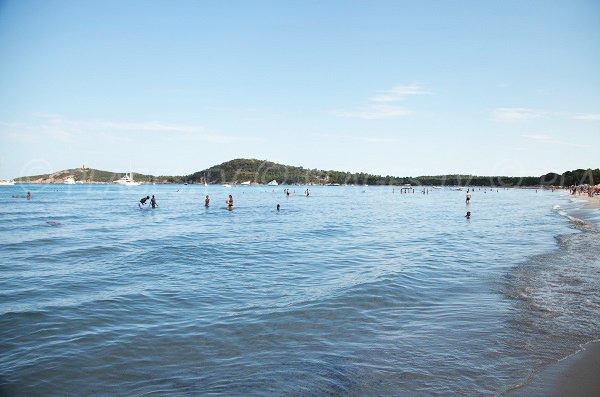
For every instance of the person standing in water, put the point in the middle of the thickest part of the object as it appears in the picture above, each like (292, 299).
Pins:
(230, 203)
(278, 206)
(142, 203)
(468, 196)
(206, 201)
(28, 196)
(153, 202)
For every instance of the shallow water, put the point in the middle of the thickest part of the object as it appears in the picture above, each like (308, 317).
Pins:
(352, 291)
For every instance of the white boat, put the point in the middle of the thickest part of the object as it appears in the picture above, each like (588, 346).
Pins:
(226, 185)
(273, 183)
(205, 184)
(70, 180)
(7, 183)
(436, 187)
(127, 180)
(247, 183)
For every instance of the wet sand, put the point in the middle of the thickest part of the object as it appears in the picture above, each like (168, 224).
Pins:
(575, 376)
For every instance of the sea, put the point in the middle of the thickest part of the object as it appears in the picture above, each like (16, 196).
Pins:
(350, 291)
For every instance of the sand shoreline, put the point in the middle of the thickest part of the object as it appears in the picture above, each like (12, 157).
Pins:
(573, 376)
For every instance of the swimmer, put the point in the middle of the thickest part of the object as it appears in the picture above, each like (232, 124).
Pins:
(468, 196)
(229, 203)
(278, 206)
(206, 201)
(28, 196)
(468, 216)
(142, 203)
(153, 202)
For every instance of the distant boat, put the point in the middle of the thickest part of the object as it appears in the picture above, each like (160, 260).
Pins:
(273, 183)
(247, 183)
(7, 183)
(457, 188)
(333, 184)
(436, 187)
(226, 185)
(127, 180)
(70, 180)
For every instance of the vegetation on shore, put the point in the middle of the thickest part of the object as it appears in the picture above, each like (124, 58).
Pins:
(262, 172)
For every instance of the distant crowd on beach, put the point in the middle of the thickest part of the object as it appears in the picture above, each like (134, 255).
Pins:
(589, 190)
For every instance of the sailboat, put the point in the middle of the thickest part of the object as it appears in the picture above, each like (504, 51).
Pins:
(273, 183)
(205, 184)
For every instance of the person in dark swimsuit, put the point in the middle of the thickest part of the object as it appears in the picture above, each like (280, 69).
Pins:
(143, 201)
(153, 202)
(230, 203)
(206, 201)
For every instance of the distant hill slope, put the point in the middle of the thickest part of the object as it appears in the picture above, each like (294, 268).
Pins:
(91, 175)
(262, 171)
(258, 171)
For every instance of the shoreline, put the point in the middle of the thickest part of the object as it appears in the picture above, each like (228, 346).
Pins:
(573, 376)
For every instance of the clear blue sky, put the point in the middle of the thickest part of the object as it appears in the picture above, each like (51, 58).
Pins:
(392, 87)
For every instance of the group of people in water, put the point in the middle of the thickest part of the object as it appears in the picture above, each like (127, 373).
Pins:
(153, 202)
(229, 201)
(28, 196)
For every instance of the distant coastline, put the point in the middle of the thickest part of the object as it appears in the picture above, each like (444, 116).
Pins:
(261, 172)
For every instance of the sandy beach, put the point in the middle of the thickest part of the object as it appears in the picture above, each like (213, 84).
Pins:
(594, 201)
(574, 376)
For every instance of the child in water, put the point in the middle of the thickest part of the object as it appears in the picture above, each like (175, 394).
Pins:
(468, 216)
(142, 202)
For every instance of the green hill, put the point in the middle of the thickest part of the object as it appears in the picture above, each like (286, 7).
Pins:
(262, 172)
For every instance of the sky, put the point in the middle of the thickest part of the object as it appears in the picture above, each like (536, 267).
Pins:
(402, 88)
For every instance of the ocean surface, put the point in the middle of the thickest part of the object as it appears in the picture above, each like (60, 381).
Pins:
(358, 291)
